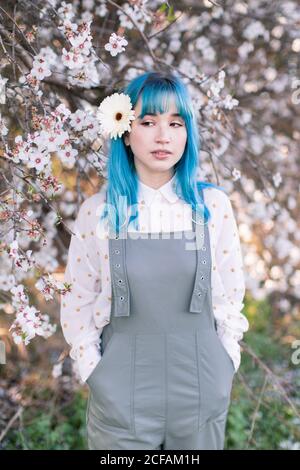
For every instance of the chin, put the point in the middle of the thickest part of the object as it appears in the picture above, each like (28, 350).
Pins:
(161, 164)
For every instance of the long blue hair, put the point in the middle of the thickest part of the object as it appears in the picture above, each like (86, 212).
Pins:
(155, 89)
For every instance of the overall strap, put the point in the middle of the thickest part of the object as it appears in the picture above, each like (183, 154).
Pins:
(203, 271)
(119, 280)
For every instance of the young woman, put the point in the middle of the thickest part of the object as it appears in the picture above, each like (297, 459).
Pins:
(157, 281)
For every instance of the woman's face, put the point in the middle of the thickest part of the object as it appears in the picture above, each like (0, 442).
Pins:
(156, 132)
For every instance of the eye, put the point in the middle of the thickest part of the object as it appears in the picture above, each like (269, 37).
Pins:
(145, 123)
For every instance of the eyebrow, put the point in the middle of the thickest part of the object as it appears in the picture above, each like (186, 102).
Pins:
(155, 114)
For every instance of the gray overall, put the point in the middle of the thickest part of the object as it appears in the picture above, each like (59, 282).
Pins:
(164, 380)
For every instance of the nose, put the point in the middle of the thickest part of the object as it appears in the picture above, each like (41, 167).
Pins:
(162, 134)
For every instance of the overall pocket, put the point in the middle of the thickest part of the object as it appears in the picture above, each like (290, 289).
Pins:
(216, 372)
(223, 347)
(226, 353)
(110, 385)
(101, 362)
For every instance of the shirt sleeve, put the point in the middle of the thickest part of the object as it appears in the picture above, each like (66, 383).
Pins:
(76, 313)
(228, 301)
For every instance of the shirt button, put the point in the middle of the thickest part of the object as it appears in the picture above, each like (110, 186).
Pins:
(117, 252)
(117, 265)
(122, 298)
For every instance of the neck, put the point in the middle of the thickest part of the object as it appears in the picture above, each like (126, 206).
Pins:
(155, 180)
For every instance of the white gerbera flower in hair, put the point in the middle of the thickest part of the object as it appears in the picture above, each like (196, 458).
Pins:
(114, 114)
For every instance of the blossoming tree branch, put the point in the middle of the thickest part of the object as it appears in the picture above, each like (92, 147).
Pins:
(60, 61)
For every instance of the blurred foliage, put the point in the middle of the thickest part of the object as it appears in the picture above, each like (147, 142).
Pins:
(265, 420)
(63, 431)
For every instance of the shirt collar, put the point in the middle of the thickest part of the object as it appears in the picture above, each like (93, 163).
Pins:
(147, 194)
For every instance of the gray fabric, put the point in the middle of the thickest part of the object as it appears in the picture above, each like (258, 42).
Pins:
(164, 379)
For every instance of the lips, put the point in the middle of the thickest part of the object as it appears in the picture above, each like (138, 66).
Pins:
(160, 154)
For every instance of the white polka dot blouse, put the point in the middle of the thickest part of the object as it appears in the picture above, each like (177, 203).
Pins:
(86, 309)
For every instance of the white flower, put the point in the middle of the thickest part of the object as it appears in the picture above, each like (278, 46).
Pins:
(115, 44)
(277, 179)
(7, 282)
(77, 120)
(202, 43)
(101, 10)
(217, 85)
(48, 54)
(57, 370)
(71, 60)
(2, 90)
(17, 338)
(19, 294)
(67, 156)
(42, 286)
(138, 12)
(92, 128)
(254, 30)
(37, 160)
(13, 249)
(236, 174)
(40, 68)
(3, 128)
(245, 49)
(229, 102)
(66, 10)
(84, 47)
(49, 140)
(62, 109)
(28, 323)
(115, 113)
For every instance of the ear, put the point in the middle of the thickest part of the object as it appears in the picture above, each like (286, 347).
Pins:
(126, 139)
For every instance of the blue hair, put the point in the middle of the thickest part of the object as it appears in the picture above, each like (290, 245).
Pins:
(155, 89)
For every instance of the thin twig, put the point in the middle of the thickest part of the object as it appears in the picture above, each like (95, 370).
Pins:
(255, 414)
(11, 422)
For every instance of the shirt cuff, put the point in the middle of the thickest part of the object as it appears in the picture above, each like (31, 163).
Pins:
(88, 361)
(233, 349)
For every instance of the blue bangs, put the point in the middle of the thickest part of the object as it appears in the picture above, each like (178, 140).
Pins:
(156, 99)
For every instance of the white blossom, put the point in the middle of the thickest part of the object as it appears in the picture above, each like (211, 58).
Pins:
(57, 370)
(236, 174)
(277, 178)
(116, 44)
(2, 90)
